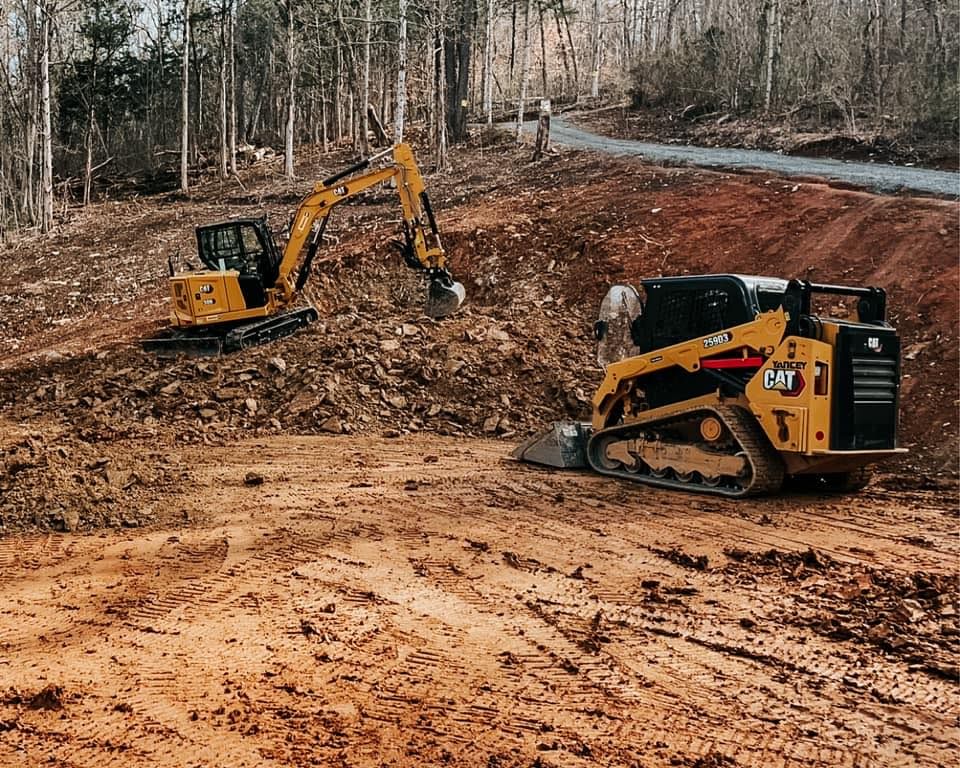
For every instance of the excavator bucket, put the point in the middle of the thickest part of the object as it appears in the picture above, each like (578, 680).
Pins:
(563, 444)
(444, 297)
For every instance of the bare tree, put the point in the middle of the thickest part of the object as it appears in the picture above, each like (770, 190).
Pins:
(185, 100)
(47, 11)
(400, 111)
(287, 6)
(524, 71)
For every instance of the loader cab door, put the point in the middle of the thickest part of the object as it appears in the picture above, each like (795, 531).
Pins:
(680, 309)
(245, 247)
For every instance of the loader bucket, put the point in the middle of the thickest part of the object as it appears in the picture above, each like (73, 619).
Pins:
(563, 444)
(444, 297)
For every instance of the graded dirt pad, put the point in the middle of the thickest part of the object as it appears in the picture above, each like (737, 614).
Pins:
(380, 602)
(313, 553)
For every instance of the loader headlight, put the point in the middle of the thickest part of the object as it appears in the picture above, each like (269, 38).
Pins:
(206, 288)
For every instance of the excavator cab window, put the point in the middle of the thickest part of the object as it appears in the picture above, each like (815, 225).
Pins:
(243, 246)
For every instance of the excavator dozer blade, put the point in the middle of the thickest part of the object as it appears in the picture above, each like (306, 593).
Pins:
(189, 346)
(563, 444)
(444, 298)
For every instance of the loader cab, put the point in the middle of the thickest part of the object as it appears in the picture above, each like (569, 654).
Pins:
(682, 308)
(245, 246)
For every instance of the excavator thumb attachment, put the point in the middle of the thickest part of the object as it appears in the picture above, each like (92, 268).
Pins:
(444, 296)
(563, 444)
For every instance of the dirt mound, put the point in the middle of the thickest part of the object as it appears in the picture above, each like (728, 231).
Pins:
(52, 479)
(912, 615)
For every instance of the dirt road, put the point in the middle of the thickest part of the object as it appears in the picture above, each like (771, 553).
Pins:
(423, 602)
(872, 176)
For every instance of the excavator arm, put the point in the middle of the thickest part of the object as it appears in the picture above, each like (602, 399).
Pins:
(444, 294)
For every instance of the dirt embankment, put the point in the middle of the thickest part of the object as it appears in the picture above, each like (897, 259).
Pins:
(537, 246)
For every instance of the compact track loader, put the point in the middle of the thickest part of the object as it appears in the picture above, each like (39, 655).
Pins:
(727, 384)
(246, 292)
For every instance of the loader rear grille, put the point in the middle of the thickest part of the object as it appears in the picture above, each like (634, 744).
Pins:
(875, 380)
(866, 389)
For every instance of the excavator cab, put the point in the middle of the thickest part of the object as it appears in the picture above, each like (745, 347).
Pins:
(246, 247)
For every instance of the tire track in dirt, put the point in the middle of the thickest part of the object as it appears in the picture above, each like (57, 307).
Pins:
(459, 611)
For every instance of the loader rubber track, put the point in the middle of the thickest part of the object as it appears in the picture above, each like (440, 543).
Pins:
(746, 438)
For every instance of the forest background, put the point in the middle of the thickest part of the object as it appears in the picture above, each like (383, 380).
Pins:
(98, 91)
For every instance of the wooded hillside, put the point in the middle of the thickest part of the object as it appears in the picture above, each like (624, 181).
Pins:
(97, 90)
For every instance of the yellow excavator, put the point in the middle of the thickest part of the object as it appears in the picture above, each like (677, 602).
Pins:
(728, 384)
(245, 294)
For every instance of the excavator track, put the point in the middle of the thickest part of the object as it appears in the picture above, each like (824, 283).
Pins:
(265, 331)
(738, 462)
(204, 343)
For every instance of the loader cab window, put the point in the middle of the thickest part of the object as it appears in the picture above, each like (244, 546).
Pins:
(680, 313)
(769, 300)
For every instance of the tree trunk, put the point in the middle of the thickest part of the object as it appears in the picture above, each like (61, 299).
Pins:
(47, 10)
(400, 111)
(543, 53)
(573, 50)
(185, 100)
(439, 87)
(524, 71)
(365, 95)
(32, 78)
(224, 138)
(772, 52)
(543, 130)
(291, 93)
(564, 59)
(231, 47)
(488, 66)
(457, 71)
(597, 50)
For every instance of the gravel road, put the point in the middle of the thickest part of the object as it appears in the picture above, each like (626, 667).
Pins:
(879, 178)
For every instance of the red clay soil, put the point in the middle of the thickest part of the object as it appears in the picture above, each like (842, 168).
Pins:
(315, 552)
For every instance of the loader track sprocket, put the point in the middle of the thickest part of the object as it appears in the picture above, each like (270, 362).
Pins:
(660, 452)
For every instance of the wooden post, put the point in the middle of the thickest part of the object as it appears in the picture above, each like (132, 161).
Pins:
(543, 130)
(382, 139)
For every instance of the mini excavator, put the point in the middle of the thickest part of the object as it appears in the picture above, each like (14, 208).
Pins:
(728, 384)
(245, 294)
